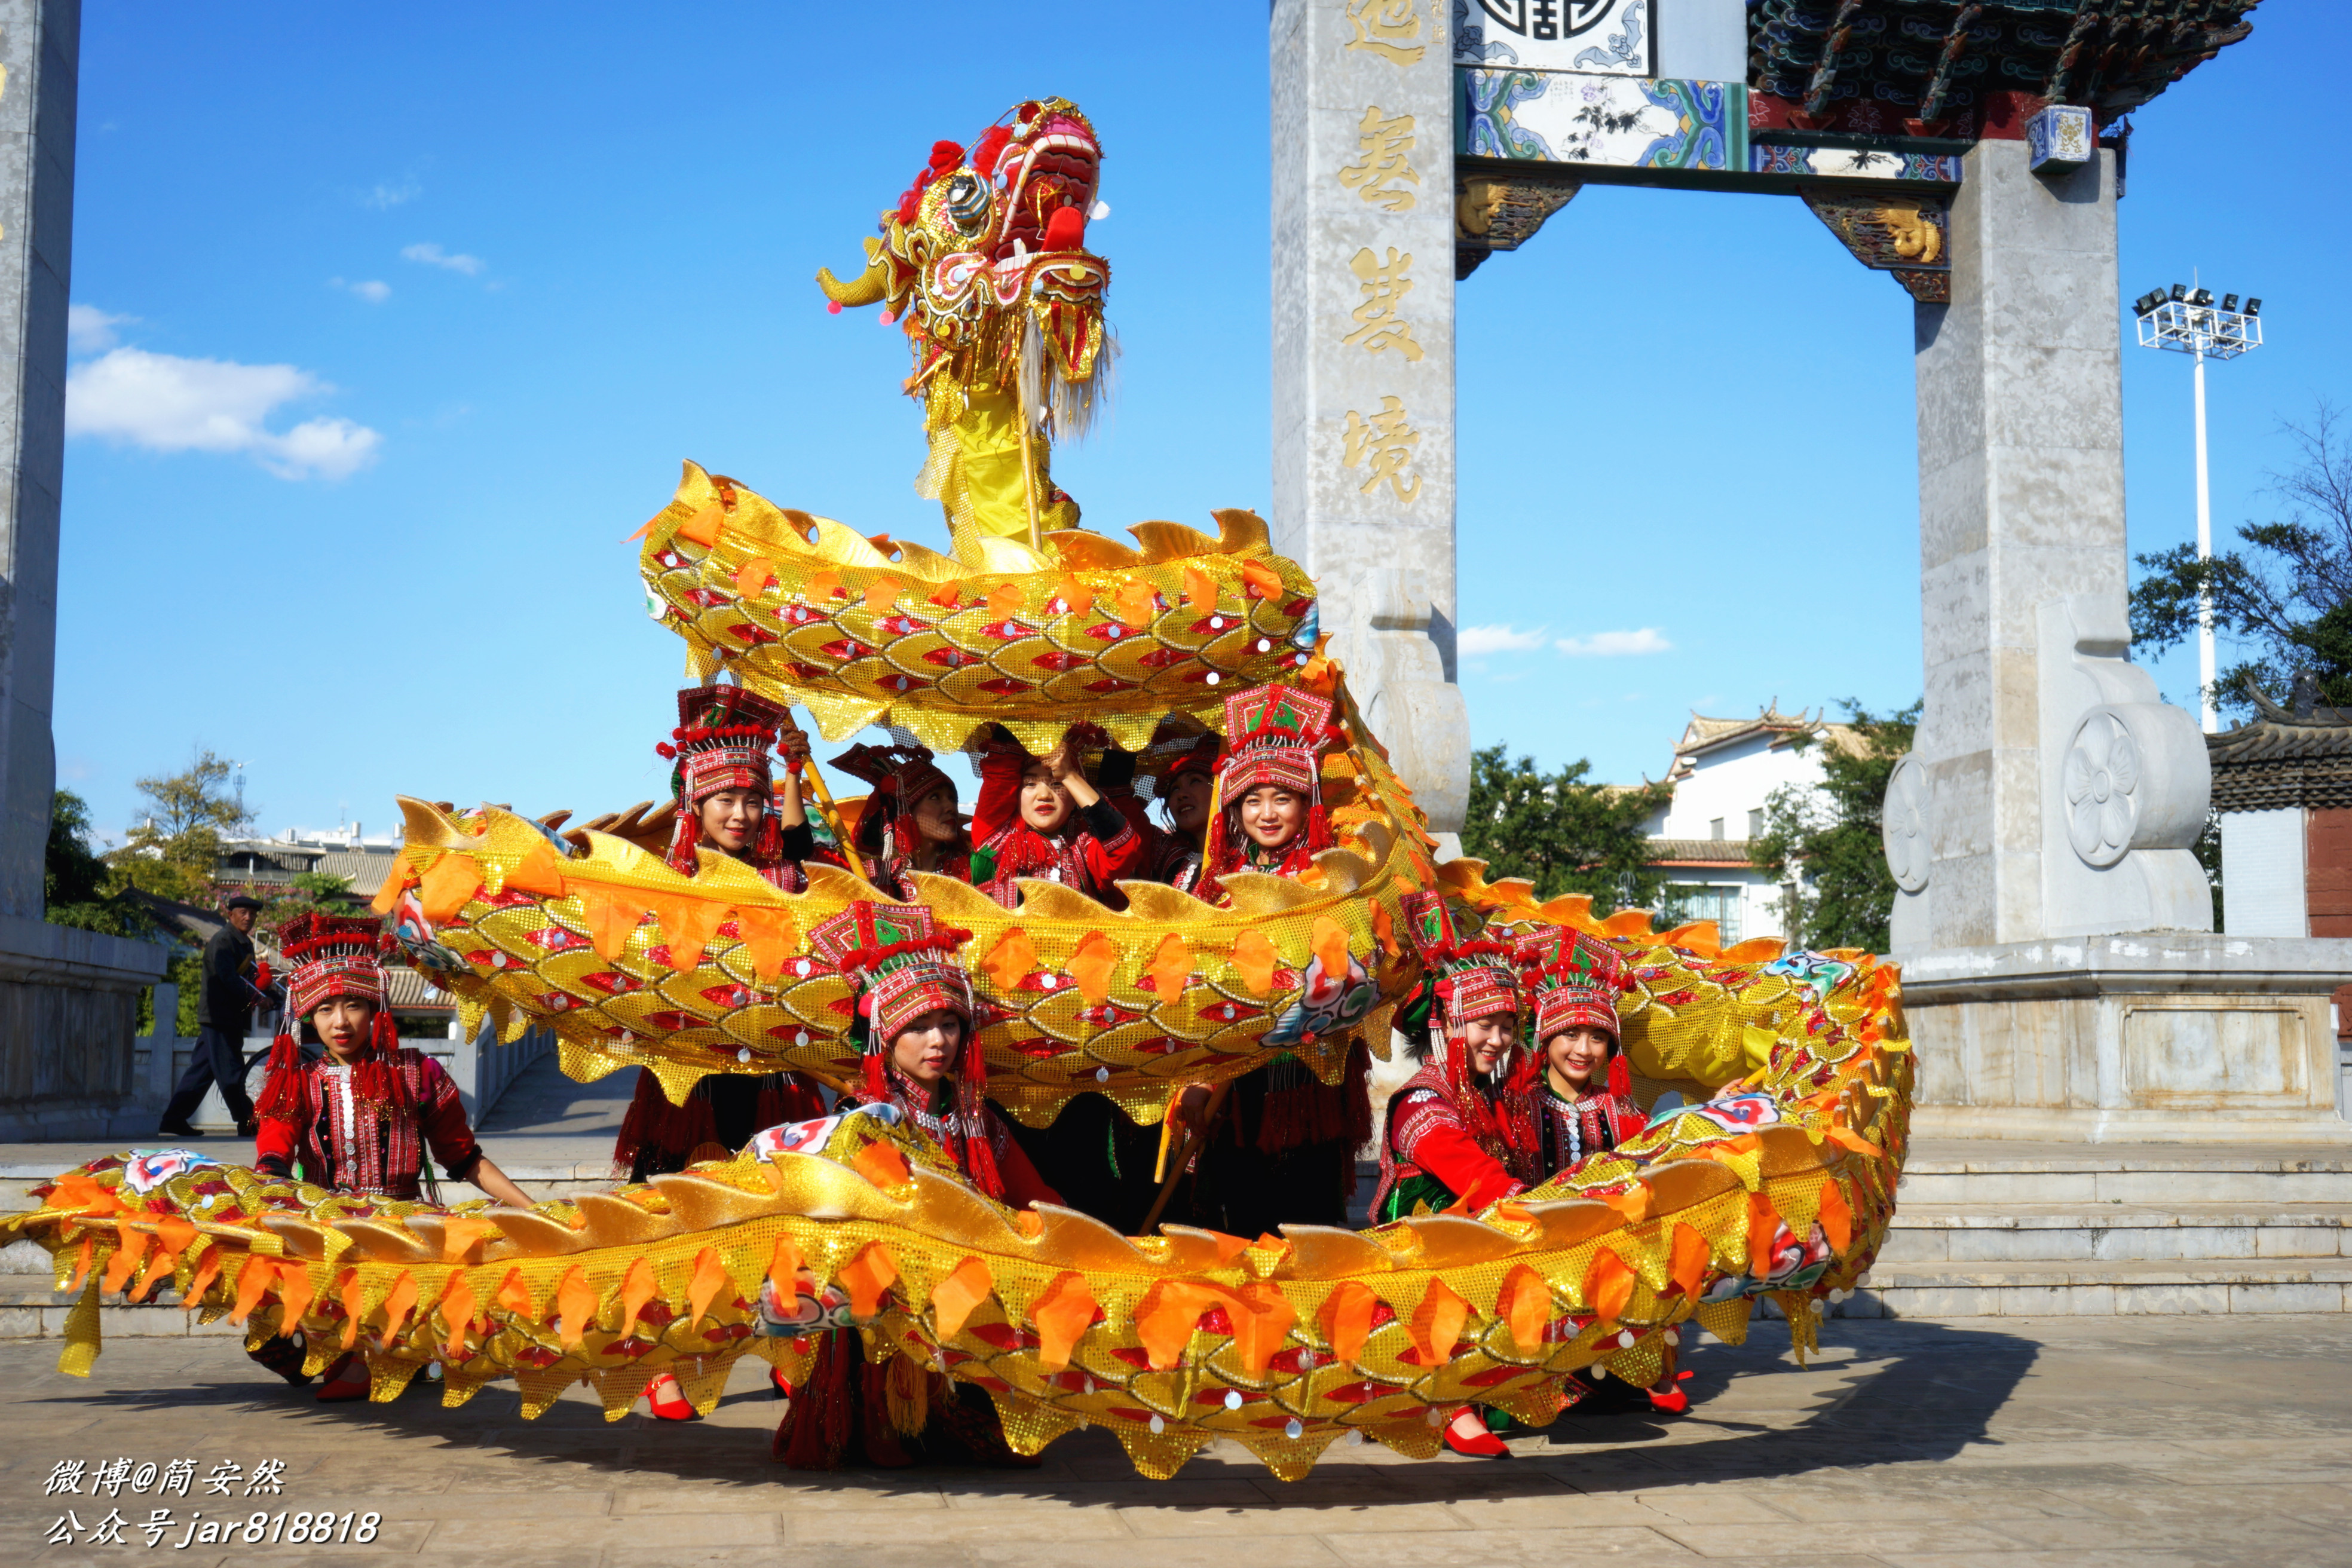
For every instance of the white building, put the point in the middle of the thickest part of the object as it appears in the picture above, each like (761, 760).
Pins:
(1724, 772)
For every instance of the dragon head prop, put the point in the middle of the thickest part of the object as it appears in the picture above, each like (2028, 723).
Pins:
(983, 264)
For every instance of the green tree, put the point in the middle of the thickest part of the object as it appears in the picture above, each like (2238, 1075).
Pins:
(1830, 836)
(173, 851)
(1560, 833)
(2288, 595)
(79, 888)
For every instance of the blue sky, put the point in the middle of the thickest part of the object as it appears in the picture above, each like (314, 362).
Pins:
(413, 310)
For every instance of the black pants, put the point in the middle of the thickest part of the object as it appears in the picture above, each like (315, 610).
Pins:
(218, 1060)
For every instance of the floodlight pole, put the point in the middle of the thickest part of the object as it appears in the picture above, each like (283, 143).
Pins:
(2207, 714)
(2194, 325)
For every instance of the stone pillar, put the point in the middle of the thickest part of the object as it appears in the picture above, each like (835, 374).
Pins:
(2060, 971)
(2020, 500)
(39, 50)
(1363, 361)
(69, 999)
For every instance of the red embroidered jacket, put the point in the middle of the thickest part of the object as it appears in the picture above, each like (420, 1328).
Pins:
(368, 1146)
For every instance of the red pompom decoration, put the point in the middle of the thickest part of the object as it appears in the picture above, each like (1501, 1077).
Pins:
(664, 749)
(991, 148)
(910, 205)
(946, 155)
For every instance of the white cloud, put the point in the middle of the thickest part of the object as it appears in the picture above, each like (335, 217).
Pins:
(374, 291)
(89, 329)
(166, 403)
(1477, 642)
(387, 197)
(433, 256)
(1608, 645)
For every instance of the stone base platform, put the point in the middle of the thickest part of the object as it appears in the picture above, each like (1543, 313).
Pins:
(2148, 1037)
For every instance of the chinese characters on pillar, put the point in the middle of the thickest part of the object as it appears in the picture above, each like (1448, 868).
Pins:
(1383, 444)
(1384, 286)
(1389, 28)
(1380, 173)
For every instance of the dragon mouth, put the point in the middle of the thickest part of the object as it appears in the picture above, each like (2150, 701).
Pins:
(1059, 170)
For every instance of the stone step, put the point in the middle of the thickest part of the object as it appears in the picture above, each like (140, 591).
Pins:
(2001, 1175)
(2127, 1286)
(1930, 1234)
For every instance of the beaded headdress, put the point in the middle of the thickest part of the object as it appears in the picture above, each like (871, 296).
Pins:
(330, 956)
(1272, 736)
(722, 740)
(1576, 978)
(903, 777)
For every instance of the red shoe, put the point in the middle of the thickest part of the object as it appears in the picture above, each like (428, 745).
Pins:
(779, 1385)
(1674, 1401)
(678, 1409)
(1483, 1445)
(346, 1379)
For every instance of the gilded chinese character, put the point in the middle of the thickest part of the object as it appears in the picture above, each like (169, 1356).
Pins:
(1383, 140)
(1384, 286)
(1389, 28)
(1384, 443)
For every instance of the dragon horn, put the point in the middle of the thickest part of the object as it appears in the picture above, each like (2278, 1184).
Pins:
(868, 288)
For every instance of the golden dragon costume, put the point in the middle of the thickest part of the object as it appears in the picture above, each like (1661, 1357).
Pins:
(1777, 1178)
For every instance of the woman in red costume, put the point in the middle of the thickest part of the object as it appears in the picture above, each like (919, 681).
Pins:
(1283, 1147)
(910, 822)
(360, 1117)
(1038, 817)
(1187, 787)
(726, 804)
(1584, 1097)
(923, 1065)
(1462, 1131)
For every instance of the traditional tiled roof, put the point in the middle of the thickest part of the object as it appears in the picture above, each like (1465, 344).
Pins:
(1703, 733)
(412, 993)
(1698, 852)
(2285, 757)
(1942, 60)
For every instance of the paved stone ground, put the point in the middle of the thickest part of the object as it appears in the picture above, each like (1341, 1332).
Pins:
(2071, 1443)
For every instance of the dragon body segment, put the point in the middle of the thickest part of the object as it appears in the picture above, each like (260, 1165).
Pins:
(878, 631)
(1783, 1188)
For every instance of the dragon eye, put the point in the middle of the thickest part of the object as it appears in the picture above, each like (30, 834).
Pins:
(967, 202)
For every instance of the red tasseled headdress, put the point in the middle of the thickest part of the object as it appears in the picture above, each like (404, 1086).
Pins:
(1273, 734)
(722, 740)
(330, 956)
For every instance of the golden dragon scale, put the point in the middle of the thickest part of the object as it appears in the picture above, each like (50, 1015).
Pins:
(877, 631)
(1781, 1186)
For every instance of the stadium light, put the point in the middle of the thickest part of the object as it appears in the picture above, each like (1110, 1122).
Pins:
(2190, 324)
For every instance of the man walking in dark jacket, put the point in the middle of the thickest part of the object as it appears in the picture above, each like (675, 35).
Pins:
(224, 1013)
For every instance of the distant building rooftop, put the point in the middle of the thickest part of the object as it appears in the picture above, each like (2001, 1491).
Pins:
(2286, 756)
